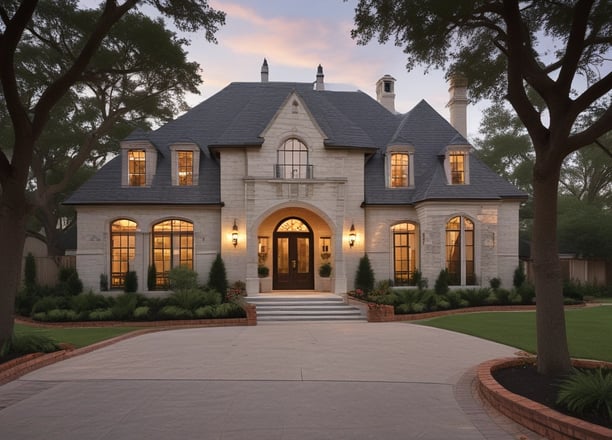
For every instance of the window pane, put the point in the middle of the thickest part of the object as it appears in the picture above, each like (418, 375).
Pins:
(399, 170)
(172, 247)
(292, 160)
(185, 167)
(123, 249)
(282, 261)
(303, 248)
(136, 167)
(404, 252)
(457, 168)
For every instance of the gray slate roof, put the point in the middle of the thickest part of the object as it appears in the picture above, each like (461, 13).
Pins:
(237, 115)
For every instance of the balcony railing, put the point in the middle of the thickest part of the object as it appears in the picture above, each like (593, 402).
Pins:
(288, 171)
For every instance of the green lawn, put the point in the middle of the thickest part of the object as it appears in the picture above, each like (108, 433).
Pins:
(80, 337)
(588, 329)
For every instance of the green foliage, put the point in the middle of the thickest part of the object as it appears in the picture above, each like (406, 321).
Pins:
(142, 313)
(364, 278)
(101, 315)
(30, 343)
(417, 280)
(441, 286)
(131, 282)
(325, 270)
(263, 271)
(46, 304)
(103, 282)
(572, 290)
(189, 299)
(495, 283)
(125, 304)
(175, 312)
(587, 392)
(30, 271)
(69, 281)
(151, 277)
(217, 278)
(88, 301)
(527, 293)
(475, 297)
(182, 278)
(519, 277)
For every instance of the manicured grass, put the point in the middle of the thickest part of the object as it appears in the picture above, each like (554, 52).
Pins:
(79, 337)
(588, 329)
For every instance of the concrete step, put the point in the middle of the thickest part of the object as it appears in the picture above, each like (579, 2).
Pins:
(303, 308)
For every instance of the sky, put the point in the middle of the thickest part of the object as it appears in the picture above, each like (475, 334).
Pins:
(295, 36)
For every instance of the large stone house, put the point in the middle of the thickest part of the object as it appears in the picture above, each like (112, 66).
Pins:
(291, 176)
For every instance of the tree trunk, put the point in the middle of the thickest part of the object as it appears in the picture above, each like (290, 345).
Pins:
(552, 349)
(12, 236)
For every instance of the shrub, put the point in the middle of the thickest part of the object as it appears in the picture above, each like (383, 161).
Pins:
(364, 278)
(30, 272)
(175, 312)
(87, 302)
(502, 296)
(46, 304)
(526, 293)
(25, 300)
(60, 315)
(142, 313)
(573, 290)
(31, 343)
(130, 284)
(229, 310)
(495, 283)
(263, 271)
(125, 304)
(418, 307)
(441, 286)
(151, 277)
(325, 270)
(217, 278)
(206, 312)
(189, 299)
(182, 278)
(475, 297)
(519, 276)
(101, 315)
(103, 282)
(417, 280)
(587, 392)
(70, 283)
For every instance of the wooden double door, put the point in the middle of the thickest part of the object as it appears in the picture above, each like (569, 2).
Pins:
(293, 261)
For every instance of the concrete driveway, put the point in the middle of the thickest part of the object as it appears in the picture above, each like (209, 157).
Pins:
(309, 380)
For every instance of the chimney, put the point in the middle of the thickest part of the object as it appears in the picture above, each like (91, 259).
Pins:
(457, 103)
(264, 71)
(319, 84)
(385, 92)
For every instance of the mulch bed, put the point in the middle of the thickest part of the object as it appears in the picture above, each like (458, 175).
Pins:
(525, 381)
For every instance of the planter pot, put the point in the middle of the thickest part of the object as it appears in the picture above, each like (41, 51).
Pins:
(265, 284)
(325, 284)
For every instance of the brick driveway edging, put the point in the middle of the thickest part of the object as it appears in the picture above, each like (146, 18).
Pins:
(533, 415)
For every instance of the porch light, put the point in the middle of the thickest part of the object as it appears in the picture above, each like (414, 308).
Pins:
(235, 234)
(352, 235)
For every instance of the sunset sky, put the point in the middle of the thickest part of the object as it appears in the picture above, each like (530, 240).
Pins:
(295, 36)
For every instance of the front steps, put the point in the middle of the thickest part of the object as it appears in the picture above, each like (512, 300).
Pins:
(303, 307)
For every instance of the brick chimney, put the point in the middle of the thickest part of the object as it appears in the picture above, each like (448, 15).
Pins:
(319, 84)
(457, 103)
(385, 92)
(264, 71)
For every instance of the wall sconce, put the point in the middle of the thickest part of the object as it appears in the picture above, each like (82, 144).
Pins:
(235, 234)
(352, 235)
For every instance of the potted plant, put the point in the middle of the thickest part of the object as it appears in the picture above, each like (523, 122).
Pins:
(325, 270)
(265, 282)
(263, 271)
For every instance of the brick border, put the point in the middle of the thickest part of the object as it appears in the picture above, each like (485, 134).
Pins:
(533, 415)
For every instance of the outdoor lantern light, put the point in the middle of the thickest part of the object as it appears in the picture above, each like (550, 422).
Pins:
(352, 235)
(235, 234)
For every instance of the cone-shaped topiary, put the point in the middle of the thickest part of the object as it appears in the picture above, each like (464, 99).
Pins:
(217, 278)
(364, 279)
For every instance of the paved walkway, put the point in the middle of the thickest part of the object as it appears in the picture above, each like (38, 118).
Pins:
(272, 381)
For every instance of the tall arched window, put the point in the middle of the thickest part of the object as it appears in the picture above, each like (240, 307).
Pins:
(292, 160)
(172, 246)
(460, 251)
(404, 253)
(123, 249)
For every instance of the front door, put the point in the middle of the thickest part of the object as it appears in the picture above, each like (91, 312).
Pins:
(293, 262)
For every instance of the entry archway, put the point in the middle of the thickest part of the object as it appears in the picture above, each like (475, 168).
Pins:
(293, 267)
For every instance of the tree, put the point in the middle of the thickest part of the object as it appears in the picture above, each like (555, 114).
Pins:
(558, 49)
(23, 24)
(146, 76)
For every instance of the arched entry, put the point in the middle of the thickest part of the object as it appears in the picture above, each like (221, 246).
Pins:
(293, 251)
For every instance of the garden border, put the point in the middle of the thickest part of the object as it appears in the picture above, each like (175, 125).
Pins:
(533, 415)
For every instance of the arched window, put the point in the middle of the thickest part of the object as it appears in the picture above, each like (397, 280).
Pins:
(404, 253)
(460, 251)
(172, 246)
(123, 250)
(292, 160)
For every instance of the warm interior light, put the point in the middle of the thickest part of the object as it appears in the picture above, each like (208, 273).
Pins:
(235, 234)
(352, 235)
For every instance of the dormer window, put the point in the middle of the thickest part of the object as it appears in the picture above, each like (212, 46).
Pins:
(456, 165)
(137, 168)
(185, 168)
(400, 166)
(185, 164)
(138, 162)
